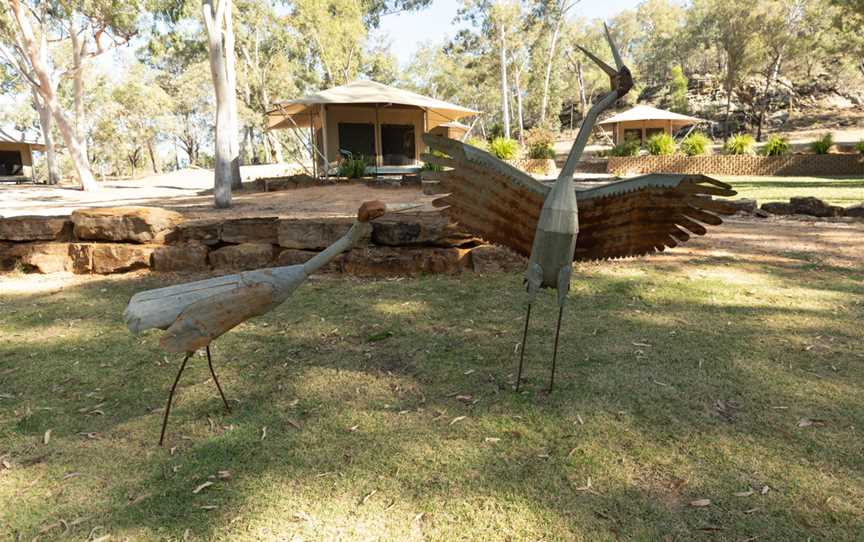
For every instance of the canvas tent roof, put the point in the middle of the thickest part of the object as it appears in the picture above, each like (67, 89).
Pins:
(11, 135)
(646, 112)
(364, 92)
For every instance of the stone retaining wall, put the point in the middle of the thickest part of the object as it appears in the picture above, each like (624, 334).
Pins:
(118, 240)
(723, 164)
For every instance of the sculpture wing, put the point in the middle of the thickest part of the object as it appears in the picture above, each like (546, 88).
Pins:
(646, 214)
(630, 217)
(487, 196)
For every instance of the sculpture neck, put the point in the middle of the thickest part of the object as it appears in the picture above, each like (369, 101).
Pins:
(357, 232)
(584, 132)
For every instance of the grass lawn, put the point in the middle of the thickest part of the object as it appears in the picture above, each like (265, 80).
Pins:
(843, 191)
(383, 410)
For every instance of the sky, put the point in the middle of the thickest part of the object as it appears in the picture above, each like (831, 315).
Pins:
(406, 31)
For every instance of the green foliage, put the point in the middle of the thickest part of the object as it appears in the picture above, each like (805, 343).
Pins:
(480, 143)
(776, 146)
(739, 144)
(860, 146)
(428, 166)
(696, 144)
(661, 144)
(353, 168)
(540, 143)
(678, 90)
(823, 144)
(503, 148)
(628, 148)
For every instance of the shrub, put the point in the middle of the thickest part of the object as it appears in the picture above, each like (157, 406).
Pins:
(481, 144)
(505, 149)
(353, 168)
(428, 166)
(739, 144)
(823, 144)
(860, 146)
(696, 144)
(678, 90)
(540, 143)
(628, 148)
(776, 146)
(661, 144)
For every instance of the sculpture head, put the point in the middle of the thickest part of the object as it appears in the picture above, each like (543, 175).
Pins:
(370, 210)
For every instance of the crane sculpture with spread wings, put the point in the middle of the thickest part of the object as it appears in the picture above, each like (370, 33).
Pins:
(553, 226)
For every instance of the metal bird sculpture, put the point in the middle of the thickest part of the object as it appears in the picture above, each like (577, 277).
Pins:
(194, 314)
(630, 217)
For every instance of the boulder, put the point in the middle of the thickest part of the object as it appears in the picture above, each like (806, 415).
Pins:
(811, 206)
(777, 208)
(8, 258)
(387, 261)
(420, 230)
(292, 256)
(35, 228)
(190, 256)
(81, 256)
(251, 230)
(135, 224)
(312, 234)
(495, 259)
(742, 205)
(242, 257)
(856, 211)
(208, 232)
(119, 258)
(42, 257)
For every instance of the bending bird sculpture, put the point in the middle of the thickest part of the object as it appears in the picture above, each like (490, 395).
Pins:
(630, 217)
(195, 314)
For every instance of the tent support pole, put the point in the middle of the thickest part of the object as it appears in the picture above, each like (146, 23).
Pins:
(324, 137)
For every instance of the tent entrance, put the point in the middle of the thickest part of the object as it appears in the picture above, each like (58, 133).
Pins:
(358, 139)
(397, 144)
(11, 163)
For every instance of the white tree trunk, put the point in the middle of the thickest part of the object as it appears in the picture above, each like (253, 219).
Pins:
(53, 173)
(544, 103)
(46, 89)
(213, 18)
(79, 42)
(505, 99)
(231, 76)
(518, 80)
(583, 101)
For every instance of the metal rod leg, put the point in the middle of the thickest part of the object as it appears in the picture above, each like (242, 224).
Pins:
(522, 349)
(555, 351)
(171, 398)
(216, 380)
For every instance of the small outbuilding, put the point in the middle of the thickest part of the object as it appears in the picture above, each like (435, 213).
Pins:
(16, 155)
(643, 121)
(381, 123)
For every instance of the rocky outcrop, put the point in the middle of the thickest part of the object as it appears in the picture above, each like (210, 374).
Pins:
(486, 259)
(429, 230)
(242, 257)
(312, 234)
(131, 224)
(291, 256)
(35, 228)
(208, 232)
(251, 230)
(42, 257)
(742, 205)
(855, 211)
(187, 257)
(777, 208)
(388, 262)
(811, 206)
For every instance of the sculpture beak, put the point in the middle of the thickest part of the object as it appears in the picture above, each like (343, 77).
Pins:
(620, 78)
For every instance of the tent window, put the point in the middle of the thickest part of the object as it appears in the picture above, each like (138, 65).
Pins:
(631, 134)
(358, 139)
(10, 163)
(397, 142)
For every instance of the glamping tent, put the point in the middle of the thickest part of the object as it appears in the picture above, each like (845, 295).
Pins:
(365, 118)
(643, 121)
(16, 155)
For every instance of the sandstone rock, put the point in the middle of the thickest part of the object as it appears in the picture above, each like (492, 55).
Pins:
(742, 205)
(759, 213)
(8, 258)
(291, 256)
(42, 257)
(312, 234)
(241, 257)
(387, 261)
(419, 230)
(777, 208)
(495, 259)
(251, 230)
(81, 256)
(119, 258)
(208, 232)
(856, 211)
(432, 188)
(190, 256)
(35, 228)
(136, 224)
(811, 206)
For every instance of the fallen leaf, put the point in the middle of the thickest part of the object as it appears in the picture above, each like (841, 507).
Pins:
(201, 487)
(744, 493)
(457, 419)
(46, 438)
(292, 423)
(263, 432)
(6, 464)
(700, 503)
(353, 428)
(491, 440)
(102, 538)
(468, 372)
(806, 422)
(579, 419)
(642, 345)
(464, 398)
(765, 490)
(223, 474)
(368, 496)
(208, 507)
(71, 475)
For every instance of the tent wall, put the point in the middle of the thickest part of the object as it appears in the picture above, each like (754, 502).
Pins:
(367, 115)
(643, 126)
(25, 154)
